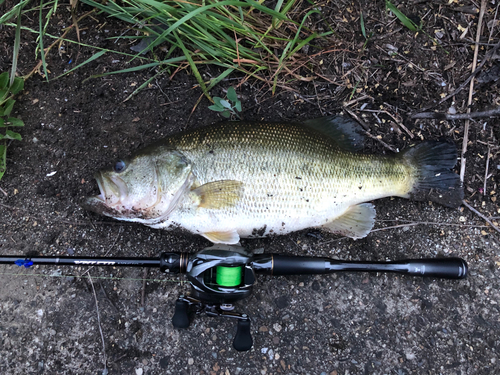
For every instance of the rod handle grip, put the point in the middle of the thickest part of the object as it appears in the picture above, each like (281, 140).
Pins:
(297, 265)
(448, 268)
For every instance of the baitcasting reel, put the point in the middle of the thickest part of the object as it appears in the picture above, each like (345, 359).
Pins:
(222, 275)
(219, 276)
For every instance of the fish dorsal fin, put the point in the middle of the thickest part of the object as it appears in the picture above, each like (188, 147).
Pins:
(228, 238)
(356, 222)
(345, 132)
(219, 194)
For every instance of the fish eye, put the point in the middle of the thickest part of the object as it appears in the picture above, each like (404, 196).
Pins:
(119, 166)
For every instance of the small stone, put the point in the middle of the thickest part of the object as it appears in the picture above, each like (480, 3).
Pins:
(190, 361)
(410, 356)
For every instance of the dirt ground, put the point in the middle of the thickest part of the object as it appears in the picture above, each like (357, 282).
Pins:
(56, 320)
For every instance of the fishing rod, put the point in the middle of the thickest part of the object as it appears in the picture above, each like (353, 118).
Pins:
(222, 275)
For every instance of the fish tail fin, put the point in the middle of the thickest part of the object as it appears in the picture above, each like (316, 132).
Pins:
(432, 162)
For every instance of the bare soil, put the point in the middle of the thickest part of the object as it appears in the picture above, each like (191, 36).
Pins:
(117, 321)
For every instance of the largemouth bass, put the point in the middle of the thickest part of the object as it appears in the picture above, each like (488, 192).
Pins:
(241, 179)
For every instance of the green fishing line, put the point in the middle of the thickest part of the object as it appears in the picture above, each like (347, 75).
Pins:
(228, 276)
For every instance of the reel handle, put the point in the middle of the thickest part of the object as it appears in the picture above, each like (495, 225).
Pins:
(181, 314)
(243, 339)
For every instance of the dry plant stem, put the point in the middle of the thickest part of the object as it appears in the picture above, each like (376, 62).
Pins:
(471, 91)
(459, 116)
(413, 224)
(486, 171)
(99, 323)
(397, 226)
(471, 76)
(397, 121)
(494, 22)
(368, 134)
(144, 278)
(82, 223)
(481, 216)
(354, 101)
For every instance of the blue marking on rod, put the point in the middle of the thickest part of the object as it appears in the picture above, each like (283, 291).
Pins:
(26, 263)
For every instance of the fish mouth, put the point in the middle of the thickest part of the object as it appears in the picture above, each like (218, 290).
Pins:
(102, 191)
(113, 193)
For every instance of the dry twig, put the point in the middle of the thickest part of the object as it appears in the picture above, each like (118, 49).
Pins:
(480, 215)
(486, 171)
(459, 116)
(367, 133)
(475, 71)
(143, 292)
(99, 323)
(463, 160)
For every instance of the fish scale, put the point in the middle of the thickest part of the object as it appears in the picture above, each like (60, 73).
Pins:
(245, 179)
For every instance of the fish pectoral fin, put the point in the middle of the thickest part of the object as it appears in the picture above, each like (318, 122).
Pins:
(219, 194)
(356, 222)
(229, 237)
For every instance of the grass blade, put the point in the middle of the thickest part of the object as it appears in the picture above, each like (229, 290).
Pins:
(402, 17)
(17, 44)
(216, 80)
(144, 84)
(291, 45)
(3, 160)
(128, 70)
(40, 42)
(362, 21)
(13, 12)
(193, 66)
(92, 58)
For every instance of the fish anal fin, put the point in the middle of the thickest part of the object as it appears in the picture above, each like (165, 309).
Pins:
(219, 194)
(356, 222)
(228, 237)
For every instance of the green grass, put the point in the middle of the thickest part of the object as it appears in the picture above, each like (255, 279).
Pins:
(409, 24)
(10, 85)
(237, 35)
